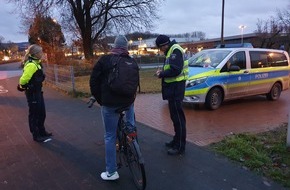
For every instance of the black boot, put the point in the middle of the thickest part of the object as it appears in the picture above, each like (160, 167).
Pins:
(46, 134)
(170, 144)
(175, 151)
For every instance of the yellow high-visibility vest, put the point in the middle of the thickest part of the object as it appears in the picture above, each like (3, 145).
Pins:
(183, 74)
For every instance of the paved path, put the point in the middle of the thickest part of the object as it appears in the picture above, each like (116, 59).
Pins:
(253, 115)
(74, 158)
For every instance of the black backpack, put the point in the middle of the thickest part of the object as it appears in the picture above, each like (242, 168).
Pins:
(123, 77)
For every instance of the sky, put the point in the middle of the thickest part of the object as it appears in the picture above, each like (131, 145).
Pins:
(180, 16)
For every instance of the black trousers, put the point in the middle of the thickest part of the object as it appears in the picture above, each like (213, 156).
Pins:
(179, 122)
(37, 112)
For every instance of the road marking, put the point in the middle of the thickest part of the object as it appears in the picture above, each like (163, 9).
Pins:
(9, 74)
(3, 90)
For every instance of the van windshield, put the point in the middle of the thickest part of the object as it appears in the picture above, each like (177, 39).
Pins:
(208, 58)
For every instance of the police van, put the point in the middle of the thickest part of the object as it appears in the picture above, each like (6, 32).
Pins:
(221, 74)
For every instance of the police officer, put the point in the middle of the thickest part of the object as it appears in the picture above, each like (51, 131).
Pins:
(31, 82)
(174, 75)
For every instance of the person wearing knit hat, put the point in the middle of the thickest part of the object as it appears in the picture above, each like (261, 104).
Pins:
(162, 40)
(120, 45)
(121, 42)
(173, 76)
(111, 100)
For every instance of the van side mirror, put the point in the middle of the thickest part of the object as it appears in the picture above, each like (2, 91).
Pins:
(234, 68)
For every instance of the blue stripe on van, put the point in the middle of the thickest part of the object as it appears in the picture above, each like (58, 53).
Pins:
(235, 78)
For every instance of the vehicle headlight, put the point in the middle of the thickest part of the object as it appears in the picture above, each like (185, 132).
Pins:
(195, 82)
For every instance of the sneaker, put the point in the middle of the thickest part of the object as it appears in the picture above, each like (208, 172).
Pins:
(107, 176)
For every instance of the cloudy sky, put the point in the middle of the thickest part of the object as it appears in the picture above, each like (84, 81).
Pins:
(180, 16)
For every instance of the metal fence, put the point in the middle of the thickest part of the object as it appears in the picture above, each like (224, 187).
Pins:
(75, 79)
(65, 77)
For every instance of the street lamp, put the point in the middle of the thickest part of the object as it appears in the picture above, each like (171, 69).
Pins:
(139, 48)
(140, 40)
(130, 43)
(242, 27)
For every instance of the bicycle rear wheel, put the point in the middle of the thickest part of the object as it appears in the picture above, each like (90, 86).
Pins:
(136, 164)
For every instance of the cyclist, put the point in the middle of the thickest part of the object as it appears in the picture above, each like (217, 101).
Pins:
(110, 101)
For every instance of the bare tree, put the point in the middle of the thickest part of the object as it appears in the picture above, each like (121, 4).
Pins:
(275, 32)
(28, 9)
(284, 19)
(92, 20)
(95, 19)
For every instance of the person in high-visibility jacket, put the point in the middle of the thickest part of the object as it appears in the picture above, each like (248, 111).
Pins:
(31, 82)
(174, 75)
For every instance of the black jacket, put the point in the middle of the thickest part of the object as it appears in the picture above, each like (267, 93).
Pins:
(173, 90)
(99, 84)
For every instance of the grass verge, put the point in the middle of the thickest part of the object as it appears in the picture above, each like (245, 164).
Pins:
(148, 84)
(265, 153)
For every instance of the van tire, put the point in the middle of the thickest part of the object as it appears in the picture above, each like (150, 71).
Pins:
(275, 92)
(214, 98)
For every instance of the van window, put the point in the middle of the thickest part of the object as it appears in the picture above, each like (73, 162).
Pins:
(278, 59)
(261, 59)
(238, 59)
(210, 58)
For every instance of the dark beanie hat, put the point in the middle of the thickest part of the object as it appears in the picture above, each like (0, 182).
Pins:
(121, 42)
(162, 40)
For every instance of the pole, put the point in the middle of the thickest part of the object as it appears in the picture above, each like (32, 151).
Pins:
(288, 132)
(242, 35)
(222, 29)
(242, 27)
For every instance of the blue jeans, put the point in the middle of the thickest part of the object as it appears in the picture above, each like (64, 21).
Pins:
(110, 122)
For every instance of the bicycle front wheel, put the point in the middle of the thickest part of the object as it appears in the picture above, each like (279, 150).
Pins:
(136, 164)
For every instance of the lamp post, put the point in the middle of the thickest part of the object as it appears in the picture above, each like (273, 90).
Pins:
(130, 43)
(140, 40)
(242, 27)
(222, 27)
(139, 48)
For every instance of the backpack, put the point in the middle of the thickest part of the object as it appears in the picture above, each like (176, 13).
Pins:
(123, 78)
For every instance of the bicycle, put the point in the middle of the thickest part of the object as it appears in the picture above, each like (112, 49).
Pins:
(128, 149)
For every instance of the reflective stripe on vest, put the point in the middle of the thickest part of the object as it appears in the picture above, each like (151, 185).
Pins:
(183, 74)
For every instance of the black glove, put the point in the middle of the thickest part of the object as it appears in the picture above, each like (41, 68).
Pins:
(91, 101)
(20, 88)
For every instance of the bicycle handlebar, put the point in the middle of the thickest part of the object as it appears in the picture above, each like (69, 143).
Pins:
(91, 101)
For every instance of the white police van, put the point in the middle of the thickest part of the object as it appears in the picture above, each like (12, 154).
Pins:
(217, 75)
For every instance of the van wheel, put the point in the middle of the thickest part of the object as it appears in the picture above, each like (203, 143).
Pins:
(275, 92)
(214, 99)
